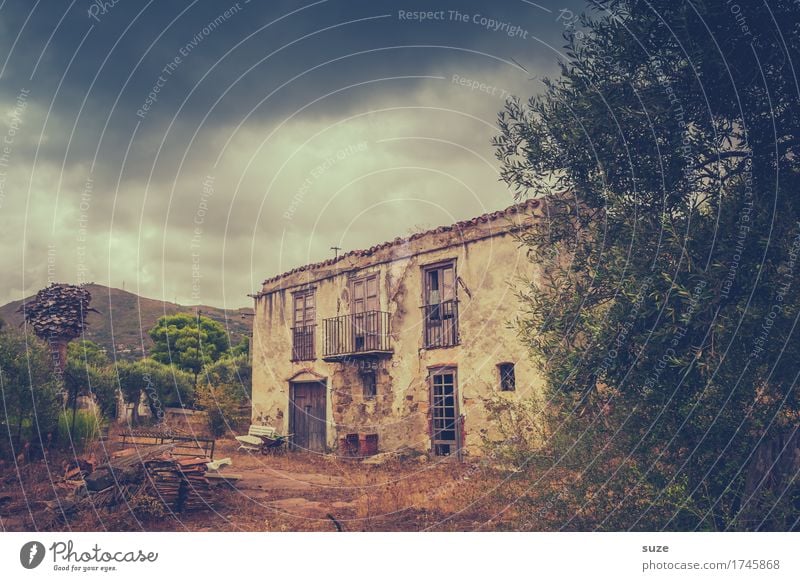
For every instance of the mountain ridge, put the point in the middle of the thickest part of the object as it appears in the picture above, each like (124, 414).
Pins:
(124, 318)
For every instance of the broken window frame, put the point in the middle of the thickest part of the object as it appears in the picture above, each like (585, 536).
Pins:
(440, 305)
(508, 376)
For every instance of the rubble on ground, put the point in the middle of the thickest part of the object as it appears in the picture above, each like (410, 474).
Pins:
(179, 484)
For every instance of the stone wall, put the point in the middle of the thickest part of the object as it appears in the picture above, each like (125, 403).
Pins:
(489, 264)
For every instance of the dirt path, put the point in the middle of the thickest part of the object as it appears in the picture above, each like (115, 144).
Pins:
(300, 494)
(285, 492)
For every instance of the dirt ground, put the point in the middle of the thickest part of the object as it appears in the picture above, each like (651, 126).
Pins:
(284, 492)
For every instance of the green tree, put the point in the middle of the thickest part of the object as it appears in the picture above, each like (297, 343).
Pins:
(188, 342)
(57, 315)
(89, 353)
(242, 347)
(667, 158)
(162, 386)
(88, 372)
(29, 391)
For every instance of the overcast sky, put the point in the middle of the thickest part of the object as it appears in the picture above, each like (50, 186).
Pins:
(188, 150)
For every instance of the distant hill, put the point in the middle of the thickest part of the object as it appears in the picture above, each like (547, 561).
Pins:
(125, 318)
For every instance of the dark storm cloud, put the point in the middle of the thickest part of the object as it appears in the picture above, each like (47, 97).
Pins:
(132, 107)
(118, 54)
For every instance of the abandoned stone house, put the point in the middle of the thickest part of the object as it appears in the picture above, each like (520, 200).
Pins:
(397, 346)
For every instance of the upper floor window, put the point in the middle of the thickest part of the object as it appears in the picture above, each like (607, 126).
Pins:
(365, 295)
(364, 307)
(304, 327)
(440, 310)
(508, 380)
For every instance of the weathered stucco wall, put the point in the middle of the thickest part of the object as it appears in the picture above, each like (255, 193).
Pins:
(488, 264)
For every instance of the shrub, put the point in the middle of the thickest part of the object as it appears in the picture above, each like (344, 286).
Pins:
(223, 406)
(225, 390)
(87, 427)
(29, 400)
(573, 471)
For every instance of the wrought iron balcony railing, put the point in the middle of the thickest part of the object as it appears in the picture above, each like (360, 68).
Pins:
(356, 334)
(440, 324)
(303, 343)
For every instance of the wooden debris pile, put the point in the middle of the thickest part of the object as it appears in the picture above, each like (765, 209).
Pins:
(179, 484)
(58, 310)
(75, 472)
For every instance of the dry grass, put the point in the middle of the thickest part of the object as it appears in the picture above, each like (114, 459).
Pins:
(286, 492)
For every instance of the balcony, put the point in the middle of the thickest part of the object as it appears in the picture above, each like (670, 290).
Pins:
(303, 343)
(358, 335)
(441, 324)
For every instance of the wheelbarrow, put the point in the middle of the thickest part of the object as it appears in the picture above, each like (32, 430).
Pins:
(274, 443)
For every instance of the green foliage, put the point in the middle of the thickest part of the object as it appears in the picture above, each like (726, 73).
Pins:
(162, 385)
(234, 370)
(568, 471)
(188, 342)
(29, 393)
(242, 347)
(224, 392)
(663, 311)
(88, 372)
(88, 352)
(85, 428)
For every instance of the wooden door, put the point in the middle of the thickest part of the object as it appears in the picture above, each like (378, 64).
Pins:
(307, 421)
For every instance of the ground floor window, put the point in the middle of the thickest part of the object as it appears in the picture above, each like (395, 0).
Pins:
(508, 380)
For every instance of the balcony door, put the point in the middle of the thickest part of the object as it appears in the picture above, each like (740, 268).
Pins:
(304, 326)
(364, 308)
(441, 305)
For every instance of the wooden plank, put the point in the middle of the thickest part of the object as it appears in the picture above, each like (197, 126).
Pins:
(217, 476)
(188, 462)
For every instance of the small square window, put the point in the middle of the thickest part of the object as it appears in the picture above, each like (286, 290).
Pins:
(508, 381)
(370, 384)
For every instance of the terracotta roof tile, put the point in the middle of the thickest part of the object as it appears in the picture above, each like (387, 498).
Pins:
(516, 208)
